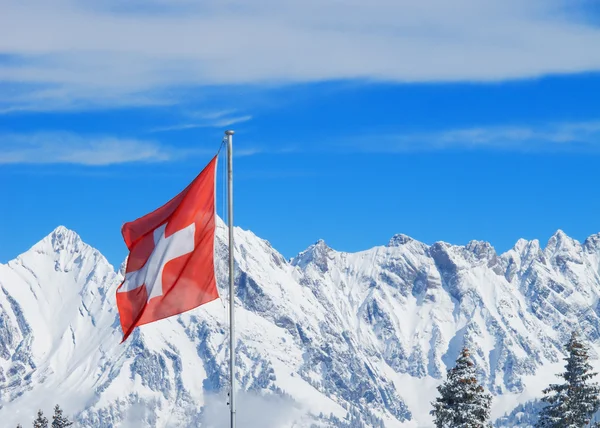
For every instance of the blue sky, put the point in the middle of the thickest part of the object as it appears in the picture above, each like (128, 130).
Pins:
(480, 121)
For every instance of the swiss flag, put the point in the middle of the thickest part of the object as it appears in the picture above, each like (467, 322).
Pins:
(170, 268)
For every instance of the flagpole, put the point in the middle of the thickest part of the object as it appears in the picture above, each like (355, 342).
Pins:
(229, 134)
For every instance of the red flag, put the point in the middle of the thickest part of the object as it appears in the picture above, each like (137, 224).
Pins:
(170, 268)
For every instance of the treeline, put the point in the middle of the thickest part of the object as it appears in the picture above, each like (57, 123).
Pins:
(464, 403)
(58, 420)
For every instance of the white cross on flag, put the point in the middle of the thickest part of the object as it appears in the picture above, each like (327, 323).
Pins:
(170, 268)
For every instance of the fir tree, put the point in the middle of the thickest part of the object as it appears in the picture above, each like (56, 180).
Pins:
(572, 403)
(58, 420)
(463, 403)
(41, 421)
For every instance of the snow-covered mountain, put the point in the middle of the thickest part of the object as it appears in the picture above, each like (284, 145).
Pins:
(325, 338)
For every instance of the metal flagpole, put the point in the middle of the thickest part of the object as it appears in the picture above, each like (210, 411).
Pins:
(229, 135)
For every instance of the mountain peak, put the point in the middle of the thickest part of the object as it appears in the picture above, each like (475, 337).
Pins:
(592, 242)
(399, 239)
(62, 237)
(317, 253)
(520, 245)
(320, 243)
(60, 240)
(560, 240)
(481, 249)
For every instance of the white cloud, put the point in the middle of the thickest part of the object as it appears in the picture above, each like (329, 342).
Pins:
(67, 148)
(228, 121)
(564, 136)
(220, 119)
(70, 54)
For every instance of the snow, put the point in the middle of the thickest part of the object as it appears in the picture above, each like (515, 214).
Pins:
(373, 332)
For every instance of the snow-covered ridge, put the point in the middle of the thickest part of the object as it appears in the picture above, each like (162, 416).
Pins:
(332, 334)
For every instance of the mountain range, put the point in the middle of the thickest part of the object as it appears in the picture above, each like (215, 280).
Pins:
(326, 339)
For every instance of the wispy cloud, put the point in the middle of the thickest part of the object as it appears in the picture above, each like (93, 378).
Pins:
(230, 121)
(564, 136)
(69, 148)
(107, 53)
(219, 119)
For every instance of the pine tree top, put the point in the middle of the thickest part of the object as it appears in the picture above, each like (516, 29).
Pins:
(462, 401)
(41, 421)
(58, 420)
(573, 402)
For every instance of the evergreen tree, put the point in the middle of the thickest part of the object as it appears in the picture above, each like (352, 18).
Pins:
(463, 403)
(58, 420)
(572, 403)
(41, 421)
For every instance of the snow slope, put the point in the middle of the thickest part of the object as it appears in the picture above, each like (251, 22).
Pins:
(324, 336)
